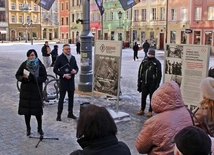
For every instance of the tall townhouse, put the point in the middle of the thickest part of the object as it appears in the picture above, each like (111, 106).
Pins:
(4, 20)
(64, 20)
(75, 14)
(179, 15)
(149, 22)
(116, 21)
(95, 21)
(50, 22)
(24, 20)
(202, 22)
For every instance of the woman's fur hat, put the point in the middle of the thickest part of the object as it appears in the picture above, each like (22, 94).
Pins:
(207, 87)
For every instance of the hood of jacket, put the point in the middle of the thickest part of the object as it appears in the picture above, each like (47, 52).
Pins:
(167, 97)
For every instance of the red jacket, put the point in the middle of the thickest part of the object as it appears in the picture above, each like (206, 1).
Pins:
(156, 136)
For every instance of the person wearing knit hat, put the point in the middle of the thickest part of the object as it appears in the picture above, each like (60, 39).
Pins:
(192, 140)
(149, 78)
(205, 110)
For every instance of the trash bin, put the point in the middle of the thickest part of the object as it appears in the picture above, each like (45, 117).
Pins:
(83, 106)
(69, 41)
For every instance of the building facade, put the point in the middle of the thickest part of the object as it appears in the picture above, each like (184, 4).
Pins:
(179, 15)
(64, 20)
(23, 20)
(4, 20)
(75, 14)
(115, 27)
(50, 22)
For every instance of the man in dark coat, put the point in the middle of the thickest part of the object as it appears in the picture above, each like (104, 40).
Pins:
(54, 54)
(135, 48)
(146, 47)
(149, 77)
(78, 47)
(46, 51)
(66, 67)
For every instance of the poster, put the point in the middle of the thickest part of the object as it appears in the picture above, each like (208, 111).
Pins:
(187, 65)
(107, 63)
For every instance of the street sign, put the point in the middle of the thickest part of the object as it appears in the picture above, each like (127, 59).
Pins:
(188, 31)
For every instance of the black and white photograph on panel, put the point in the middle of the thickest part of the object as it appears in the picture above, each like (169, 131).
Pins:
(107, 64)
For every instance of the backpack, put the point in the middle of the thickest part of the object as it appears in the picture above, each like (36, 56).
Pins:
(149, 71)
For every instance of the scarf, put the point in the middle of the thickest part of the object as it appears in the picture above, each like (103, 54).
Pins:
(33, 66)
(68, 57)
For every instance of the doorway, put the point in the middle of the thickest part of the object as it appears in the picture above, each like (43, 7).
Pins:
(50, 36)
(161, 41)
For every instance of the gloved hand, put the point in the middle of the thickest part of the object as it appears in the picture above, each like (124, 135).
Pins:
(139, 87)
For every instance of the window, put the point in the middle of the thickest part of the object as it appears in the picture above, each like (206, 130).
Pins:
(143, 14)
(173, 14)
(105, 16)
(28, 19)
(72, 2)
(127, 14)
(66, 20)
(20, 19)
(136, 15)
(13, 6)
(73, 17)
(20, 6)
(211, 13)
(35, 7)
(98, 16)
(183, 37)
(153, 13)
(62, 6)
(13, 18)
(208, 37)
(198, 13)
(77, 15)
(197, 37)
(162, 13)
(63, 36)
(112, 16)
(92, 17)
(62, 20)
(173, 37)
(183, 14)
(2, 16)
(66, 5)
(66, 35)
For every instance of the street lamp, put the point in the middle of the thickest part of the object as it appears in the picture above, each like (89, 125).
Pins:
(27, 25)
(120, 16)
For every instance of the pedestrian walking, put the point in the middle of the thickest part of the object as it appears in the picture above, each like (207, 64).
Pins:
(96, 133)
(31, 74)
(171, 117)
(149, 77)
(78, 47)
(135, 48)
(146, 47)
(54, 54)
(66, 67)
(46, 51)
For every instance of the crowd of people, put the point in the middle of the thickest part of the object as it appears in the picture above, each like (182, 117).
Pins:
(172, 129)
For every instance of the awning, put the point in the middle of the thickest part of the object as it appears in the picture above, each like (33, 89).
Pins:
(3, 32)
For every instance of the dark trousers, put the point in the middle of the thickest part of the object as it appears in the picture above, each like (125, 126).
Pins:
(147, 90)
(53, 60)
(38, 118)
(146, 54)
(70, 102)
(135, 55)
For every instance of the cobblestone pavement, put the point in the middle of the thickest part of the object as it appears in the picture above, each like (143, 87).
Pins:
(13, 139)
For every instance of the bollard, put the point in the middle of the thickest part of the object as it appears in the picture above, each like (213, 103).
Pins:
(83, 106)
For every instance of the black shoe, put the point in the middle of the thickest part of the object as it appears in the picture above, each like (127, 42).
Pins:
(72, 116)
(28, 132)
(58, 118)
(40, 132)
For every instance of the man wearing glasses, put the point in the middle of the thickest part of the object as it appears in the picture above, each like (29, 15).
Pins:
(66, 67)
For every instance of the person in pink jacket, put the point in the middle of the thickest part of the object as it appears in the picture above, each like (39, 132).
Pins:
(157, 133)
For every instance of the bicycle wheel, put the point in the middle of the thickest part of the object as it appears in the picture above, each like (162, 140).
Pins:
(49, 77)
(51, 90)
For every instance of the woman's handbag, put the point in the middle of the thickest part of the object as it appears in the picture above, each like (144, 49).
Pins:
(203, 125)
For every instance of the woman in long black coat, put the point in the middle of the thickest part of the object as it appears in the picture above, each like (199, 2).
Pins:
(31, 74)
